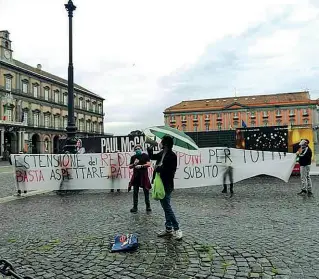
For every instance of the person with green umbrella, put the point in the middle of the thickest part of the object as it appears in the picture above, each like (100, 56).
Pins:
(166, 166)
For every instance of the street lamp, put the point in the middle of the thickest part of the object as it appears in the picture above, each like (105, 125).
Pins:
(71, 129)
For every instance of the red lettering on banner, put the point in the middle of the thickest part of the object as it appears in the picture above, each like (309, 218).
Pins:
(104, 159)
(29, 176)
(185, 159)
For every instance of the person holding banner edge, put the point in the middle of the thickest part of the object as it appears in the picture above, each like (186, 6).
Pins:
(140, 162)
(166, 166)
(304, 158)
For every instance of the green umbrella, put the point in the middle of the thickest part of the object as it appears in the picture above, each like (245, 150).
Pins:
(182, 142)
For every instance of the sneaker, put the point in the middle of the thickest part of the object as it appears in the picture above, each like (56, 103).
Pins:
(133, 210)
(178, 234)
(302, 192)
(310, 194)
(165, 233)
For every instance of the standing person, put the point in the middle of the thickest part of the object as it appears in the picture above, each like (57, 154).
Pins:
(166, 165)
(140, 162)
(227, 163)
(305, 155)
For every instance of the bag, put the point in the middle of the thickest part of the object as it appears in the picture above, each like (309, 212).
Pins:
(125, 243)
(158, 192)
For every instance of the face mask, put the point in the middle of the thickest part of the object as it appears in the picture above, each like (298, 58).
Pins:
(138, 152)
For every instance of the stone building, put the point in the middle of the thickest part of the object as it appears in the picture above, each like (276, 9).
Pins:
(33, 106)
(292, 109)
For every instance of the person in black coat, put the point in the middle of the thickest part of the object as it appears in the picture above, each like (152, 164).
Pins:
(166, 166)
(304, 156)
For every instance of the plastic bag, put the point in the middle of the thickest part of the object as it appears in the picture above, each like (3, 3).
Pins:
(158, 192)
(125, 243)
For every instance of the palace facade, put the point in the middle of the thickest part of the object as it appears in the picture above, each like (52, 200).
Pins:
(293, 109)
(34, 106)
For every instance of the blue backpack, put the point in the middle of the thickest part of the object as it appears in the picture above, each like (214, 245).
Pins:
(125, 243)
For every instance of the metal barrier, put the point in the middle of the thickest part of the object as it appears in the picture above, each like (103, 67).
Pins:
(7, 269)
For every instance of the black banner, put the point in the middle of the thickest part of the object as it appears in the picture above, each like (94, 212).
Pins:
(110, 144)
(273, 138)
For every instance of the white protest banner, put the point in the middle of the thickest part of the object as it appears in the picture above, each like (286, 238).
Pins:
(111, 170)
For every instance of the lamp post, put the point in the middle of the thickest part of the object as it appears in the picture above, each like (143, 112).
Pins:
(70, 146)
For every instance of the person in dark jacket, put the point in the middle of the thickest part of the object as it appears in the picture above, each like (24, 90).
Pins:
(304, 156)
(140, 162)
(166, 166)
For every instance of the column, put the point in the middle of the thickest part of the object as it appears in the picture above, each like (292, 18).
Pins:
(19, 142)
(22, 141)
(1, 142)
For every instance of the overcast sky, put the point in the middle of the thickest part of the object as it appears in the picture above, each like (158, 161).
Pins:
(143, 56)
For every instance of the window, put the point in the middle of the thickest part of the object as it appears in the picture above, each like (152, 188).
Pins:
(306, 121)
(101, 128)
(8, 113)
(219, 125)
(24, 86)
(278, 123)
(46, 94)
(292, 112)
(25, 118)
(94, 107)
(8, 83)
(207, 116)
(292, 123)
(65, 99)
(195, 117)
(88, 104)
(46, 121)
(81, 125)
(183, 117)
(184, 128)
(88, 126)
(36, 118)
(100, 108)
(278, 112)
(219, 115)
(172, 118)
(56, 96)
(57, 122)
(253, 124)
(235, 114)
(65, 122)
(265, 123)
(195, 128)
(94, 127)
(35, 91)
(252, 114)
(305, 112)
(265, 113)
(81, 103)
(207, 127)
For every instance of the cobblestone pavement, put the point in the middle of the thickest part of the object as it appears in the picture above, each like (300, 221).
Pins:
(264, 231)
(7, 186)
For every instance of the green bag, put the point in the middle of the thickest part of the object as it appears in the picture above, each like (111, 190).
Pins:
(158, 191)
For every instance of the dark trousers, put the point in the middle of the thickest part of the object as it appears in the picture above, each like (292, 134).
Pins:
(228, 173)
(170, 219)
(146, 195)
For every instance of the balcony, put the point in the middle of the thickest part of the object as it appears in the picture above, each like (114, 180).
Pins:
(305, 114)
(207, 119)
(252, 116)
(265, 116)
(172, 121)
(195, 119)
(184, 120)
(235, 117)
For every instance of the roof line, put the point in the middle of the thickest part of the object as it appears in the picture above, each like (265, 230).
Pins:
(52, 79)
(245, 96)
